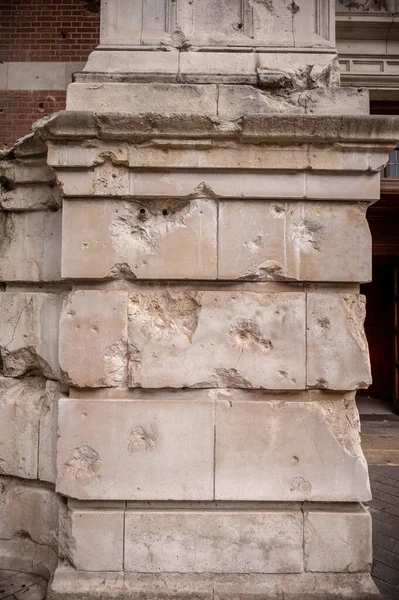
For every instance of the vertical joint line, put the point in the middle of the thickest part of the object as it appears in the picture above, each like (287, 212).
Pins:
(217, 237)
(124, 538)
(214, 450)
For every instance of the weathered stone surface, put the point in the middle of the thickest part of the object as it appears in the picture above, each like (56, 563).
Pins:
(337, 350)
(30, 248)
(69, 584)
(294, 241)
(234, 101)
(136, 449)
(28, 185)
(21, 402)
(182, 338)
(337, 538)
(29, 334)
(93, 338)
(163, 239)
(94, 539)
(47, 467)
(132, 97)
(256, 459)
(28, 526)
(207, 541)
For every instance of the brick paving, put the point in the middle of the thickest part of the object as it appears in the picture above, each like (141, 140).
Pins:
(384, 509)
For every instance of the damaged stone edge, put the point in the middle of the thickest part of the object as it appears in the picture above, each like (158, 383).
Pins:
(269, 129)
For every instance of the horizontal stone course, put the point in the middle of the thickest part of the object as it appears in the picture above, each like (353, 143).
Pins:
(190, 446)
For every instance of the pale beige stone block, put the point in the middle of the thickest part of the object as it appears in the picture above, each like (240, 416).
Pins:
(47, 465)
(347, 186)
(337, 350)
(337, 539)
(294, 241)
(162, 239)
(181, 183)
(136, 449)
(182, 338)
(95, 539)
(29, 333)
(33, 196)
(106, 179)
(256, 459)
(21, 406)
(31, 246)
(132, 97)
(218, 63)
(133, 61)
(28, 510)
(208, 541)
(93, 338)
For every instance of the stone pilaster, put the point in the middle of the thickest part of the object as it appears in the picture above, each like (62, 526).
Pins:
(215, 180)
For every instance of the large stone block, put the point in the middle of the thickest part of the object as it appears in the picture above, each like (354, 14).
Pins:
(337, 538)
(133, 97)
(29, 333)
(94, 539)
(162, 239)
(294, 241)
(337, 350)
(181, 338)
(31, 246)
(21, 402)
(136, 449)
(208, 541)
(289, 451)
(93, 338)
(28, 527)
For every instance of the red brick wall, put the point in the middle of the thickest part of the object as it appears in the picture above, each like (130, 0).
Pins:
(42, 30)
(22, 108)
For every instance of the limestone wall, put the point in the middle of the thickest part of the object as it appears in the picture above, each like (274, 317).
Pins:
(181, 345)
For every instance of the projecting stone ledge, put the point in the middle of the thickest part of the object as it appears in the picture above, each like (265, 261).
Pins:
(69, 584)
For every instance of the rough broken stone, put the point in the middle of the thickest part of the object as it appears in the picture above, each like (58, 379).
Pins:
(28, 526)
(208, 541)
(337, 538)
(94, 539)
(21, 402)
(28, 185)
(257, 460)
(93, 338)
(29, 334)
(337, 350)
(166, 446)
(182, 338)
(294, 241)
(163, 239)
(30, 246)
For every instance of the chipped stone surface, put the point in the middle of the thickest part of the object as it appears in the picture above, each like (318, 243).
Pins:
(163, 239)
(93, 338)
(29, 334)
(28, 526)
(337, 538)
(95, 539)
(135, 449)
(294, 241)
(30, 246)
(257, 460)
(182, 338)
(22, 402)
(337, 349)
(47, 467)
(208, 541)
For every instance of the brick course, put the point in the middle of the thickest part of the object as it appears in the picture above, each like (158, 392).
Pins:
(48, 30)
(42, 30)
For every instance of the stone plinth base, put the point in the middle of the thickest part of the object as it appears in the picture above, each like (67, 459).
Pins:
(69, 584)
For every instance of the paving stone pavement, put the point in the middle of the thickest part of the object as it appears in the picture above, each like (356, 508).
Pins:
(384, 509)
